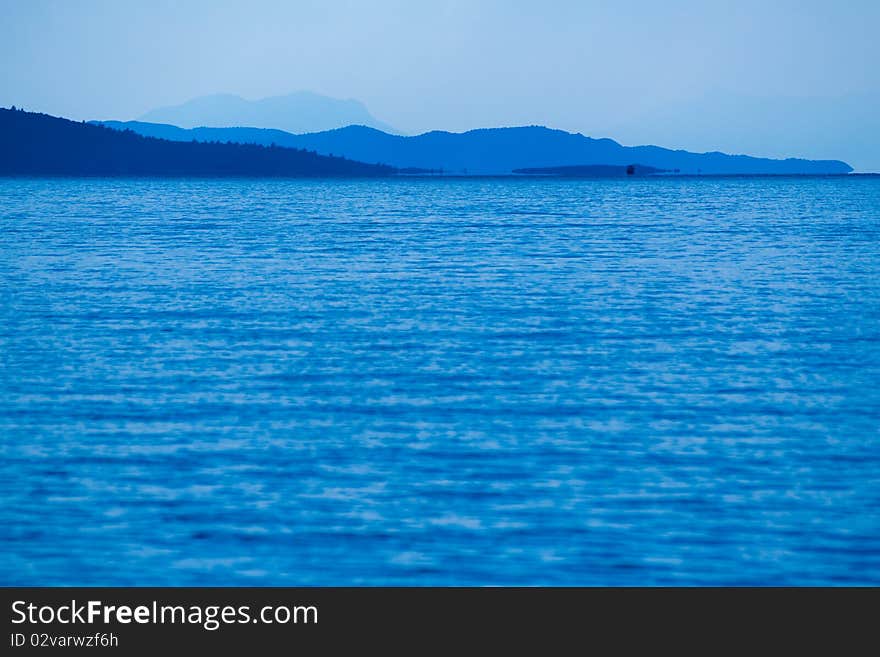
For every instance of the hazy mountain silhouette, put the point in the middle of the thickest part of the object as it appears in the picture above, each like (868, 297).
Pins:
(39, 144)
(496, 150)
(302, 111)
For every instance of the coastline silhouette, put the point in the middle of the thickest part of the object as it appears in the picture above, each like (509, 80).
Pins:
(492, 151)
(34, 143)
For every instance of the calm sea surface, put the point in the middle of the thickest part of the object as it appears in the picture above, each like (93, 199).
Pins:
(475, 381)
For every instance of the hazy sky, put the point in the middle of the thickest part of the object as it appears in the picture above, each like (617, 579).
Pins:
(770, 78)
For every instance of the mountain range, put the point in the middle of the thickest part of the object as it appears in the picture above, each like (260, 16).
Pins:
(491, 151)
(301, 111)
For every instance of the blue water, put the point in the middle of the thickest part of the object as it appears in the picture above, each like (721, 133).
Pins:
(475, 381)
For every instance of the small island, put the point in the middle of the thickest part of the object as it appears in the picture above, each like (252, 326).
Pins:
(592, 171)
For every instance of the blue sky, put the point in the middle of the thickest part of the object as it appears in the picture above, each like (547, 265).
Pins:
(777, 79)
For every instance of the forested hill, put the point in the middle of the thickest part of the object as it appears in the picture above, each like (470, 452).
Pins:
(39, 144)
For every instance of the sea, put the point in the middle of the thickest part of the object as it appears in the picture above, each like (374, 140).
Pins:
(440, 381)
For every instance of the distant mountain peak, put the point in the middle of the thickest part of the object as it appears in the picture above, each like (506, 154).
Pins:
(298, 112)
(354, 128)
